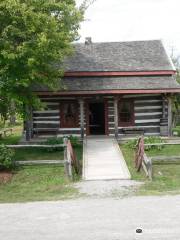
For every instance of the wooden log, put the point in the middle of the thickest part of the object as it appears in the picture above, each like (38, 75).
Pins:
(35, 146)
(162, 144)
(166, 159)
(39, 162)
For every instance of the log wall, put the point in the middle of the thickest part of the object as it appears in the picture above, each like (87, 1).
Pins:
(147, 111)
(47, 121)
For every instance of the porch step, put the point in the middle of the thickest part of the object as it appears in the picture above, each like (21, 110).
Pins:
(103, 160)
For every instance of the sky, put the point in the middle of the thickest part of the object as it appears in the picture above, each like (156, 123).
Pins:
(129, 20)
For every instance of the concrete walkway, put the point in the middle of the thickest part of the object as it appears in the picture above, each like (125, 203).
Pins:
(103, 160)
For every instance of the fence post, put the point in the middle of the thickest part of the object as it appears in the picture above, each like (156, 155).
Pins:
(67, 160)
(149, 167)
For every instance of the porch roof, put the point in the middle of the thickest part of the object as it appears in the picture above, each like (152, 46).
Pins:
(90, 84)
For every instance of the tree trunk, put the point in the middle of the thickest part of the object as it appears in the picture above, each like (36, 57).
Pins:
(12, 118)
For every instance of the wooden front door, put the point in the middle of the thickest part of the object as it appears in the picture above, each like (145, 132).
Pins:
(96, 114)
(69, 114)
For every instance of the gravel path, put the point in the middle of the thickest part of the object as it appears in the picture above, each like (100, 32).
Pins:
(109, 188)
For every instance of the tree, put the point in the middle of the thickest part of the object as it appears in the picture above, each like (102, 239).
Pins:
(35, 37)
(176, 100)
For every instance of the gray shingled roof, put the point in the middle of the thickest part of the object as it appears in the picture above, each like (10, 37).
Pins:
(117, 83)
(120, 83)
(119, 56)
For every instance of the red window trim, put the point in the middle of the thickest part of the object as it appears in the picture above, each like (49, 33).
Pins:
(131, 123)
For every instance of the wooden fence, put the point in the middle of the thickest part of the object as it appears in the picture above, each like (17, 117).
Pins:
(70, 160)
(142, 161)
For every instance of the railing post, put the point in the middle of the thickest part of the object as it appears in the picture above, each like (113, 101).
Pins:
(67, 160)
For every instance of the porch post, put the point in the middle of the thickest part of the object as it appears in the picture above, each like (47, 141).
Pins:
(81, 104)
(163, 107)
(169, 116)
(164, 120)
(116, 116)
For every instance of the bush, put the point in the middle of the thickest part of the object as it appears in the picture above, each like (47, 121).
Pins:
(59, 140)
(74, 141)
(54, 141)
(176, 131)
(151, 140)
(6, 158)
(147, 140)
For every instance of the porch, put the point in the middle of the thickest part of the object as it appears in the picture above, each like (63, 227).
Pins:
(118, 115)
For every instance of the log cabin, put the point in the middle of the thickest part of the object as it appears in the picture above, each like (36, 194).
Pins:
(110, 88)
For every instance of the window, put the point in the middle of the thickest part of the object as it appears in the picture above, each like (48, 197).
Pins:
(126, 113)
(69, 114)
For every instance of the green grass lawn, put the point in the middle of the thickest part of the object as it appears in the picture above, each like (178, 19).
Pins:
(166, 177)
(35, 183)
(168, 150)
(42, 154)
(35, 153)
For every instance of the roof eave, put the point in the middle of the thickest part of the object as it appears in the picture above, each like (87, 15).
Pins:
(120, 73)
(106, 92)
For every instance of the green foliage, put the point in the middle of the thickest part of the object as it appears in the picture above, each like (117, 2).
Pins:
(35, 37)
(147, 140)
(74, 141)
(6, 158)
(176, 130)
(59, 140)
(54, 141)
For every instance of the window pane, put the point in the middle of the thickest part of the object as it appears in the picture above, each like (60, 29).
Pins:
(125, 112)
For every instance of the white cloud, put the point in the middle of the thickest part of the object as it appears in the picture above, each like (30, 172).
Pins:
(126, 20)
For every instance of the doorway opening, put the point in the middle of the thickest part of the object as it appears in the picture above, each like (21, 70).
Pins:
(96, 118)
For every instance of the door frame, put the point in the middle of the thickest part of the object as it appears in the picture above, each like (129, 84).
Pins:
(105, 116)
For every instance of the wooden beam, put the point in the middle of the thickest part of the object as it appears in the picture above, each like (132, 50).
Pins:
(163, 106)
(81, 104)
(116, 116)
(107, 92)
(119, 73)
(169, 116)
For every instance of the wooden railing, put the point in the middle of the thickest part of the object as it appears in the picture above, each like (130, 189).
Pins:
(141, 159)
(70, 160)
